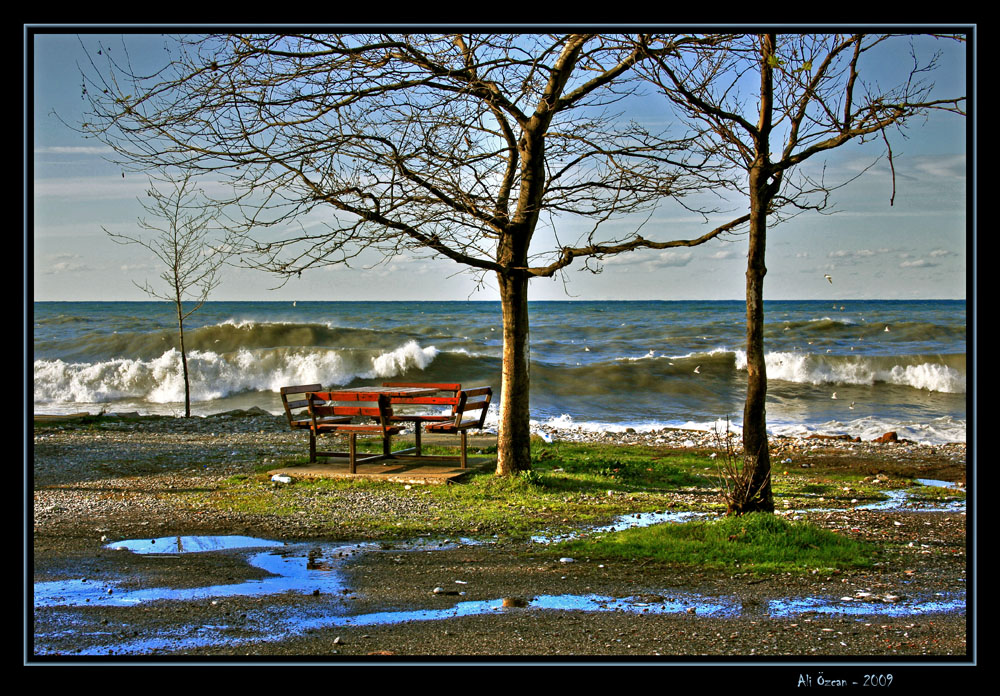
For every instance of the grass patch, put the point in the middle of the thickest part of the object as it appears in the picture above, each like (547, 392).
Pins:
(937, 494)
(756, 542)
(797, 490)
(569, 486)
(622, 468)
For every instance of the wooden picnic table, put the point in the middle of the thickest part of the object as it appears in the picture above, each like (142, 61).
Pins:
(377, 400)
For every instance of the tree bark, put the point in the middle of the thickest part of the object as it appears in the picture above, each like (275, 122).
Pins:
(514, 432)
(184, 361)
(755, 447)
(756, 457)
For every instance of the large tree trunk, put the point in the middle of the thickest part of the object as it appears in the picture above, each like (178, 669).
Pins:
(756, 458)
(514, 434)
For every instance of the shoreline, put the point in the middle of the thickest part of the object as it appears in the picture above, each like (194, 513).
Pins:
(258, 428)
(590, 431)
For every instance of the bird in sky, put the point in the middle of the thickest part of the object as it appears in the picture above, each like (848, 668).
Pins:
(827, 276)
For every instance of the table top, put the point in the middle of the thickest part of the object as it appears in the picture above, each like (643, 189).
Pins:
(389, 391)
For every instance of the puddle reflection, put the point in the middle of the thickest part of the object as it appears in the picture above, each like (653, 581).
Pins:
(638, 519)
(304, 568)
(191, 544)
(786, 608)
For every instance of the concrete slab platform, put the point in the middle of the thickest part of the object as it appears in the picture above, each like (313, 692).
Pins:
(422, 471)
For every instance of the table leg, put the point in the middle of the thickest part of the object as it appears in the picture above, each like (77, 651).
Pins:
(353, 450)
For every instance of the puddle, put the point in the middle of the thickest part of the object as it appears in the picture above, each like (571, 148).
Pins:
(302, 568)
(191, 544)
(308, 568)
(902, 499)
(897, 500)
(941, 603)
(280, 623)
(639, 519)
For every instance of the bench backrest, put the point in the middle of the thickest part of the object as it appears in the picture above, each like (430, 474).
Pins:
(470, 401)
(447, 394)
(322, 404)
(294, 397)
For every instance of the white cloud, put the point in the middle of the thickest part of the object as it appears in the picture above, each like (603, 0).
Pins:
(856, 253)
(727, 254)
(90, 188)
(72, 150)
(64, 267)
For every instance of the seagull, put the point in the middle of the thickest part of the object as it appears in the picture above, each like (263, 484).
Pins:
(851, 406)
(697, 370)
(834, 395)
(827, 276)
(887, 328)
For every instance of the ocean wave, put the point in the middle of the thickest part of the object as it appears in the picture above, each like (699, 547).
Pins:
(942, 373)
(224, 337)
(722, 355)
(217, 375)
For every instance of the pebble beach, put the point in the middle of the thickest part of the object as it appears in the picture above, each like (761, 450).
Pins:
(92, 486)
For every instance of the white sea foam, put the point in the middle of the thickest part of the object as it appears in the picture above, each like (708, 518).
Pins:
(215, 375)
(651, 355)
(836, 320)
(937, 432)
(403, 358)
(807, 368)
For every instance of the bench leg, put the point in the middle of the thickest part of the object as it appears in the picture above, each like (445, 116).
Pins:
(416, 437)
(464, 456)
(353, 449)
(312, 447)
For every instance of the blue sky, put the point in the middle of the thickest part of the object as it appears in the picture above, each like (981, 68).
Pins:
(916, 248)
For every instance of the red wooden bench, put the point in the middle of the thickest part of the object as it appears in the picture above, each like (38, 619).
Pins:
(325, 407)
(470, 413)
(447, 397)
(293, 398)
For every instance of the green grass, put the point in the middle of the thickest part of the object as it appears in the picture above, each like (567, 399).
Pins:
(753, 543)
(939, 494)
(792, 489)
(568, 486)
(577, 485)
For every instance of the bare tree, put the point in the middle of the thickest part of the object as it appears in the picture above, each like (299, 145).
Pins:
(805, 95)
(180, 229)
(454, 146)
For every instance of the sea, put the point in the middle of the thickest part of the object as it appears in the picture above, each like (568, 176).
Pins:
(860, 368)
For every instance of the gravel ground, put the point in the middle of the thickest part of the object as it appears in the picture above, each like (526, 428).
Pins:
(94, 486)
